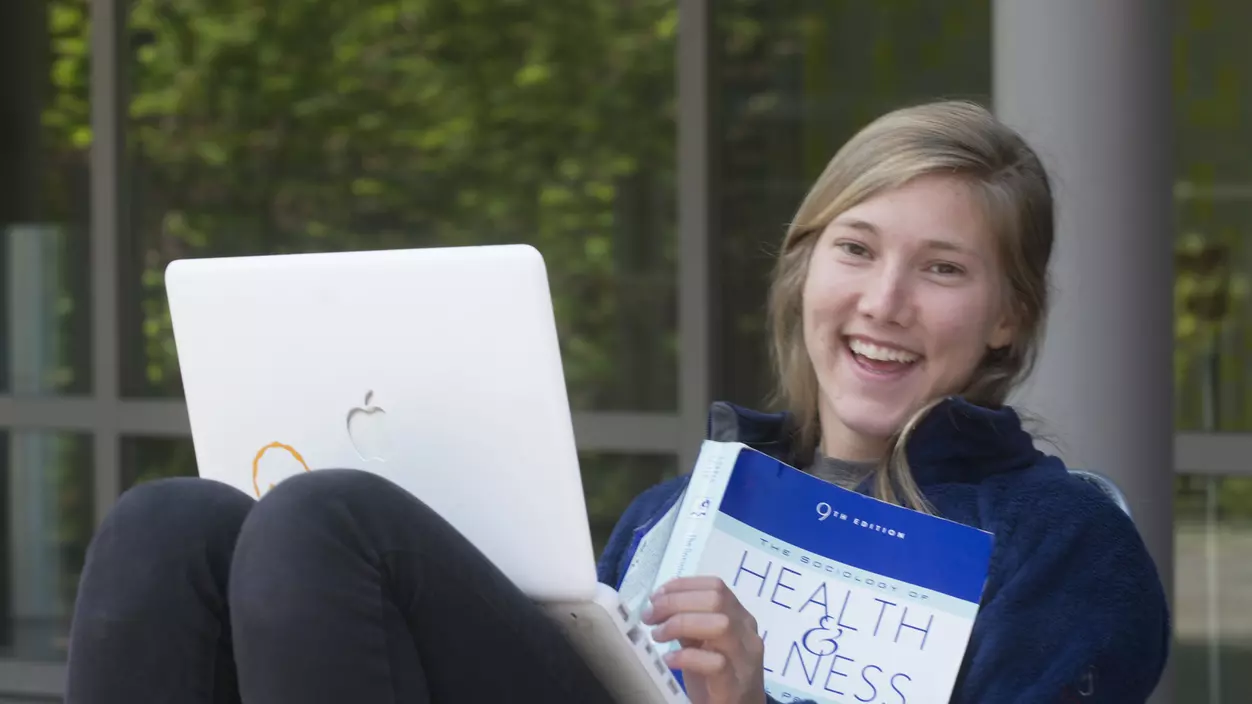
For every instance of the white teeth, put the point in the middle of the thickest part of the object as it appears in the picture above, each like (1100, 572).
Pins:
(882, 354)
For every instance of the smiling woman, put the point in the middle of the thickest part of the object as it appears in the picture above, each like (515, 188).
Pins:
(915, 268)
(899, 304)
(907, 302)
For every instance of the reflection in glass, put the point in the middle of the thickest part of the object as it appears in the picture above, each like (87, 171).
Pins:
(611, 481)
(44, 142)
(298, 127)
(1213, 589)
(794, 81)
(46, 523)
(44, 350)
(147, 458)
(1213, 196)
(1213, 312)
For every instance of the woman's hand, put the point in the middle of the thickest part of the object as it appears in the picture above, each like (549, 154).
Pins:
(722, 655)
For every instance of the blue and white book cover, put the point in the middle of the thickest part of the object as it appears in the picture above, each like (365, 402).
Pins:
(858, 601)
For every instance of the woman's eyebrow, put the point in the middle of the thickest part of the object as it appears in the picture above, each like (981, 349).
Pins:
(857, 224)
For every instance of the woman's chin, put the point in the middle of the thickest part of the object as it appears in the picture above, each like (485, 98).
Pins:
(871, 420)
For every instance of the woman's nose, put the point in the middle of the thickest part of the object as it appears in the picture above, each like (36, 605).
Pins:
(886, 299)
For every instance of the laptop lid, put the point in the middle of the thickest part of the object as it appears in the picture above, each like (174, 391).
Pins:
(438, 369)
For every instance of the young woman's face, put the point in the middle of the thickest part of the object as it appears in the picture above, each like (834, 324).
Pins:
(903, 298)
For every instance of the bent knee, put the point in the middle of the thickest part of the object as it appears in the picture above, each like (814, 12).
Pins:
(176, 510)
(304, 523)
(322, 507)
(159, 535)
(316, 491)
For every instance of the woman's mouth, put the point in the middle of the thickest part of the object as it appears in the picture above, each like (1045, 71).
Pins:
(880, 359)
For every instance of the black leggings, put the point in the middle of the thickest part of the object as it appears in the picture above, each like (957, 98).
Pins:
(338, 587)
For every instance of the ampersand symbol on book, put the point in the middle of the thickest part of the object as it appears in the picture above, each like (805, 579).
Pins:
(821, 628)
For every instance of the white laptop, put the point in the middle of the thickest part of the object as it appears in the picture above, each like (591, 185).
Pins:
(438, 369)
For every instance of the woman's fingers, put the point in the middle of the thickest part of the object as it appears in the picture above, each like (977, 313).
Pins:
(693, 626)
(667, 604)
(690, 584)
(720, 652)
(696, 594)
(707, 663)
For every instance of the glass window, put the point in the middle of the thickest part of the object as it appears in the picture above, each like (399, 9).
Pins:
(1213, 342)
(1213, 588)
(45, 135)
(147, 458)
(794, 81)
(46, 523)
(1213, 107)
(610, 480)
(290, 127)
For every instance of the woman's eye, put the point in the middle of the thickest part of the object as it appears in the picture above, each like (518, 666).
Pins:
(855, 249)
(946, 269)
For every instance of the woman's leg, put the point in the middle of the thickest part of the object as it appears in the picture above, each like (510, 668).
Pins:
(345, 588)
(151, 621)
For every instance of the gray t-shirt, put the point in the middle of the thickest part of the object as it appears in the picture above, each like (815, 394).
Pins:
(848, 475)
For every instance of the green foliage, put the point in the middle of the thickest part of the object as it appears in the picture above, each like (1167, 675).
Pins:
(1212, 104)
(312, 125)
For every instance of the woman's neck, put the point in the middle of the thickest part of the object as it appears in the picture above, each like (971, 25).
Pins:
(848, 475)
(842, 444)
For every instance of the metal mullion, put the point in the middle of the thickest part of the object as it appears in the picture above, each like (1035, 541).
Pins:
(20, 678)
(694, 210)
(1215, 454)
(601, 431)
(107, 102)
(49, 413)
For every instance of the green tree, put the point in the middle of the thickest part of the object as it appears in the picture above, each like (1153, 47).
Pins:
(309, 125)
(318, 125)
(1212, 105)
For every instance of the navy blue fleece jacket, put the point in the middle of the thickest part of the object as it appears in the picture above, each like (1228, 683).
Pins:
(1073, 609)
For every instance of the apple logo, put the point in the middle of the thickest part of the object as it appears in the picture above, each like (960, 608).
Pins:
(367, 430)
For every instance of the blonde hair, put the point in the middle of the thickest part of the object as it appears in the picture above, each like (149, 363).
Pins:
(953, 138)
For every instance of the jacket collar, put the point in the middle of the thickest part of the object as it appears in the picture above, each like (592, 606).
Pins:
(957, 441)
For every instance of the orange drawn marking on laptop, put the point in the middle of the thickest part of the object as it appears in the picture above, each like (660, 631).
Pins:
(256, 462)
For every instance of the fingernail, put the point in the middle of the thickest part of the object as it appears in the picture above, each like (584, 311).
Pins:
(647, 613)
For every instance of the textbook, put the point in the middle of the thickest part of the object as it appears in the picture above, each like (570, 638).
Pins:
(858, 601)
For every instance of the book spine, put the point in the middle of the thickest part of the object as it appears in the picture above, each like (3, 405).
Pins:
(700, 504)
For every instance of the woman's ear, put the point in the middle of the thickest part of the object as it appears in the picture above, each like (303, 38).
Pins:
(1001, 337)
(1003, 333)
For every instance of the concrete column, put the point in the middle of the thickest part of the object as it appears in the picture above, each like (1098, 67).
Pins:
(1088, 84)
